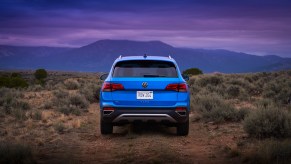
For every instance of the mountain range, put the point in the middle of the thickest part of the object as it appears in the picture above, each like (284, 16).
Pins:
(99, 56)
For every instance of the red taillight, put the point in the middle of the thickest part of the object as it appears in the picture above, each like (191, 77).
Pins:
(106, 87)
(109, 87)
(181, 108)
(177, 87)
(108, 108)
(182, 87)
(173, 87)
(115, 87)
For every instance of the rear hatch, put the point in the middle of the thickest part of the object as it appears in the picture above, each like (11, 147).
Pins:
(144, 83)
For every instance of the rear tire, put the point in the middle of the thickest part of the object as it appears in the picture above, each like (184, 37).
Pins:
(183, 128)
(106, 128)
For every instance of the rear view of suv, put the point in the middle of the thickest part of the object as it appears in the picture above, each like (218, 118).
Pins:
(144, 89)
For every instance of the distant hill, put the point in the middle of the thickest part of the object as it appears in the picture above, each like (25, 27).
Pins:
(100, 55)
(24, 57)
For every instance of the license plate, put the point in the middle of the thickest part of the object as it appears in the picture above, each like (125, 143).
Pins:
(145, 95)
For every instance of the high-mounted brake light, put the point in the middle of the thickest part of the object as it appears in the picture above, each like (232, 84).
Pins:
(109, 87)
(177, 87)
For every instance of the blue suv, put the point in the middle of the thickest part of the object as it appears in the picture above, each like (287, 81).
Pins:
(144, 89)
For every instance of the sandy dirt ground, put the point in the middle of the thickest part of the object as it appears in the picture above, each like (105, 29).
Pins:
(81, 141)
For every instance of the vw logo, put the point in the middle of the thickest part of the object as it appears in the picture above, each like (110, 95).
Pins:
(144, 84)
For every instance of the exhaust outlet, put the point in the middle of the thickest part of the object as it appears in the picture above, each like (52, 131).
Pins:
(107, 112)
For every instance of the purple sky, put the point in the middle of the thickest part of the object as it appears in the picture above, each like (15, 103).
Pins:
(261, 27)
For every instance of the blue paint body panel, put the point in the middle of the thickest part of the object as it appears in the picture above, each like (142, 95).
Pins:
(127, 99)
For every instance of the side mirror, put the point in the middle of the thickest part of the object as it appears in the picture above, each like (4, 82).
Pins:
(185, 77)
(104, 76)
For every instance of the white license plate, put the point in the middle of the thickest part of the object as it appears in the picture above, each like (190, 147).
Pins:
(145, 95)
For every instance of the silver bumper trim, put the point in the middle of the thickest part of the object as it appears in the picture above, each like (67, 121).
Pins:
(144, 117)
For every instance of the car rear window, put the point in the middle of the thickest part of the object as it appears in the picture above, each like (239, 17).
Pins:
(144, 68)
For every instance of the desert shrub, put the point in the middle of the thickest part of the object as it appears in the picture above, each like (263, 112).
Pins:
(37, 115)
(17, 82)
(271, 89)
(47, 105)
(10, 92)
(59, 127)
(224, 113)
(70, 104)
(4, 81)
(279, 90)
(193, 71)
(70, 109)
(268, 122)
(91, 92)
(264, 103)
(15, 153)
(40, 74)
(252, 90)
(234, 80)
(35, 88)
(233, 91)
(13, 82)
(79, 101)
(212, 80)
(18, 114)
(15, 74)
(71, 84)
(60, 94)
(10, 102)
(191, 81)
(213, 108)
(272, 151)
(50, 85)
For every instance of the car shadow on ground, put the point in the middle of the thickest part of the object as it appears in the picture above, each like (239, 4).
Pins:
(144, 129)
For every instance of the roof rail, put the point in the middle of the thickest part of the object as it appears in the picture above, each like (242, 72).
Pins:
(120, 57)
(170, 57)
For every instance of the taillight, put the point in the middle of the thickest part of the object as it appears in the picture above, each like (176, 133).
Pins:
(183, 87)
(182, 111)
(177, 87)
(109, 87)
(181, 108)
(106, 87)
(108, 108)
(115, 87)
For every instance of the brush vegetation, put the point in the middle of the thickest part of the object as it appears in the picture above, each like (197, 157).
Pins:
(259, 104)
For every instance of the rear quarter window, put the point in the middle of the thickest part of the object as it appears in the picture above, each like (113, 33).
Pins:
(144, 68)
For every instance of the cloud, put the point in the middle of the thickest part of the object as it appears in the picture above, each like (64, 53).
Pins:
(256, 26)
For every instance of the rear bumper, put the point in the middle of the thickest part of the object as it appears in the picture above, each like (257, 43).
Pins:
(129, 115)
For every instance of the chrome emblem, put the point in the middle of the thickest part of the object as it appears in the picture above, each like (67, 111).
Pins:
(144, 84)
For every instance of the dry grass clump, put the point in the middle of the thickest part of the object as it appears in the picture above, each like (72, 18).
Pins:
(11, 103)
(70, 103)
(35, 88)
(37, 115)
(91, 92)
(72, 84)
(61, 94)
(59, 127)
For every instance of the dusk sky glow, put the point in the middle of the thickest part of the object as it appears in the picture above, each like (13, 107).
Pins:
(261, 27)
